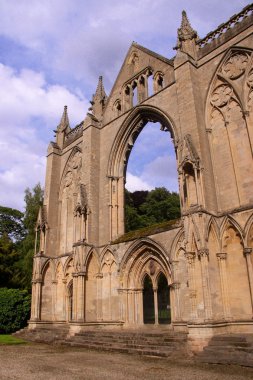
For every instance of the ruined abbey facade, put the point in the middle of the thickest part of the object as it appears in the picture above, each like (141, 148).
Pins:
(195, 276)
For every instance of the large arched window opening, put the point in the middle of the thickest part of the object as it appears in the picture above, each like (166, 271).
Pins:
(153, 119)
(151, 194)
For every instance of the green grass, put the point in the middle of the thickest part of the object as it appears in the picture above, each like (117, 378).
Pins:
(9, 339)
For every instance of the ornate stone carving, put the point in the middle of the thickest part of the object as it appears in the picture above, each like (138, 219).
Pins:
(247, 251)
(152, 267)
(221, 95)
(190, 256)
(221, 255)
(68, 179)
(235, 65)
(203, 252)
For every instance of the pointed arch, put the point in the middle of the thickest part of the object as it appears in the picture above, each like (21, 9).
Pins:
(76, 149)
(129, 131)
(141, 243)
(230, 221)
(226, 107)
(248, 231)
(212, 223)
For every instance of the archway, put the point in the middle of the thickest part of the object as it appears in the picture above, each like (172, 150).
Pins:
(148, 301)
(163, 298)
(123, 144)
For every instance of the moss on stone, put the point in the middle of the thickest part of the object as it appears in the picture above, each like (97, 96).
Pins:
(147, 231)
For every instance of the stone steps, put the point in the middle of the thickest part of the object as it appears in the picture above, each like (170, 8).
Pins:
(154, 344)
(228, 349)
(44, 334)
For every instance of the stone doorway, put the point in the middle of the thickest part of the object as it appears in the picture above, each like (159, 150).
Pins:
(148, 301)
(163, 297)
(156, 301)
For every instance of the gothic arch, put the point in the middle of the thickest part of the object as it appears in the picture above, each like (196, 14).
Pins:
(74, 151)
(95, 254)
(143, 256)
(130, 130)
(248, 231)
(137, 244)
(227, 120)
(45, 266)
(231, 222)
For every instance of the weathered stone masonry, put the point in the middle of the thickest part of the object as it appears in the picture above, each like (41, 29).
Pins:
(203, 98)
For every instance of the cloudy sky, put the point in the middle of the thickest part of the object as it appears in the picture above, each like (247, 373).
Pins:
(51, 54)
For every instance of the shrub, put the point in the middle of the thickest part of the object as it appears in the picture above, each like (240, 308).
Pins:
(15, 307)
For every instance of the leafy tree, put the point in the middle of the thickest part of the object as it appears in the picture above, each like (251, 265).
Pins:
(14, 309)
(144, 208)
(161, 205)
(11, 223)
(8, 258)
(33, 200)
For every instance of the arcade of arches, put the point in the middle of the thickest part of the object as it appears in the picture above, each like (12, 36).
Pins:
(195, 275)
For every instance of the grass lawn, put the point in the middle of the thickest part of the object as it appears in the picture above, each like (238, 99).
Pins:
(9, 339)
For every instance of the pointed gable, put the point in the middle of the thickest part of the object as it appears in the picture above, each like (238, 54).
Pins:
(143, 72)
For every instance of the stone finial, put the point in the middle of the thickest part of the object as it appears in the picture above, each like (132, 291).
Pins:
(63, 128)
(186, 36)
(64, 123)
(98, 100)
(186, 32)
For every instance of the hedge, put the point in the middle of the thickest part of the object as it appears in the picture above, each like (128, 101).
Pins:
(15, 307)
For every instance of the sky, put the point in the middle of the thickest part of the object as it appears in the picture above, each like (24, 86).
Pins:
(52, 53)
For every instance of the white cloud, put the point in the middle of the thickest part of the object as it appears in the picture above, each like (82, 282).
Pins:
(134, 183)
(74, 41)
(161, 172)
(29, 111)
(86, 39)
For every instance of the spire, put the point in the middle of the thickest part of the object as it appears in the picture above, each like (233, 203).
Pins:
(186, 36)
(98, 100)
(63, 128)
(64, 123)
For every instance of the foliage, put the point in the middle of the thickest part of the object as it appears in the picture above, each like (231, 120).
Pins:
(8, 259)
(14, 309)
(145, 208)
(33, 200)
(9, 339)
(17, 236)
(11, 223)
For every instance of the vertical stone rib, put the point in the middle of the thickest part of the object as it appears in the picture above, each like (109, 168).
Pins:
(203, 255)
(224, 283)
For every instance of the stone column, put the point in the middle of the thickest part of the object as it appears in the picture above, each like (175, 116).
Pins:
(247, 253)
(224, 284)
(176, 286)
(156, 306)
(64, 314)
(54, 285)
(176, 309)
(190, 256)
(203, 256)
(75, 292)
(37, 300)
(99, 277)
(80, 297)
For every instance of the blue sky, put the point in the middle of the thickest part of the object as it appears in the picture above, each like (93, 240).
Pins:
(51, 54)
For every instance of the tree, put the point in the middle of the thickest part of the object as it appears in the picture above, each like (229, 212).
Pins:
(11, 223)
(33, 200)
(8, 258)
(144, 208)
(161, 205)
